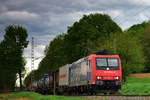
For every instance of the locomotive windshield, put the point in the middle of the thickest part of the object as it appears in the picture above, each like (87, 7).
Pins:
(107, 64)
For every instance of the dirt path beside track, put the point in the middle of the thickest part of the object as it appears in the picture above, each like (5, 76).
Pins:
(141, 75)
(116, 97)
(21, 99)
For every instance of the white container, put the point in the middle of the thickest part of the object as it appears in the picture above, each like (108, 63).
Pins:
(78, 72)
(64, 75)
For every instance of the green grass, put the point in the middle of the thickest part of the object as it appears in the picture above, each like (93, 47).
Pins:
(3, 95)
(36, 96)
(136, 86)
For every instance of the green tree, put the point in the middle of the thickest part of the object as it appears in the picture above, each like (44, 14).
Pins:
(142, 32)
(82, 36)
(146, 47)
(54, 52)
(130, 51)
(7, 61)
(13, 45)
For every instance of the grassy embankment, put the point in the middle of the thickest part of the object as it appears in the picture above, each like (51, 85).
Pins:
(136, 86)
(36, 96)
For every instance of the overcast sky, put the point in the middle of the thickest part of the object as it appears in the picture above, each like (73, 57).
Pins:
(44, 19)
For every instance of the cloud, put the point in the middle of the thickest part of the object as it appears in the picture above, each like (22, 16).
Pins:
(19, 16)
(139, 2)
(143, 17)
(85, 3)
(115, 13)
(52, 17)
(69, 18)
(3, 8)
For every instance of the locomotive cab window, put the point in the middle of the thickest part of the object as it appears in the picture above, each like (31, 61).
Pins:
(112, 62)
(107, 63)
(101, 62)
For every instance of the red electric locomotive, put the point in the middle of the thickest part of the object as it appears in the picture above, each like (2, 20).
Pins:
(106, 73)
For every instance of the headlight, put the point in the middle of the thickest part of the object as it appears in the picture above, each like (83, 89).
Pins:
(116, 77)
(99, 77)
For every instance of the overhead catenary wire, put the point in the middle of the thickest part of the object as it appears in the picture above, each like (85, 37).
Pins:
(117, 16)
(134, 14)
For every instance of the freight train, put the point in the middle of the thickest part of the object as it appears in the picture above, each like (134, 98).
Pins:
(93, 74)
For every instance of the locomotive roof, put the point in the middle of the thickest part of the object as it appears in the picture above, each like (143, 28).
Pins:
(102, 52)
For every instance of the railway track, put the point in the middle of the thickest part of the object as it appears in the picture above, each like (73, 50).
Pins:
(116, 97)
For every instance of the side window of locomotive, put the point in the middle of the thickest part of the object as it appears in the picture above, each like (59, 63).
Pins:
(89, 65)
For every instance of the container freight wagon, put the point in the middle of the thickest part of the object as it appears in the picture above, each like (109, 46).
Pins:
(64, 78)
(79, 76)
(73, 76)
(46, 83)
(78, 73)
(64, 75)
